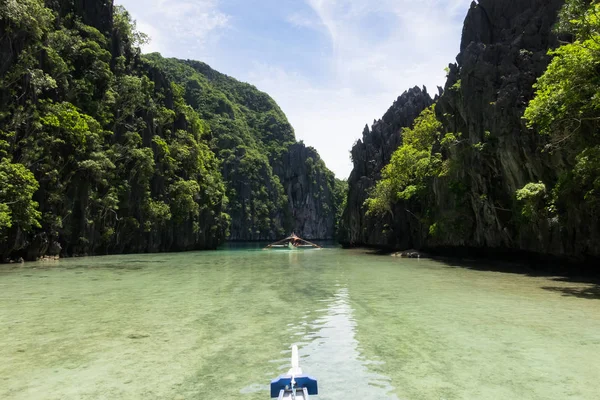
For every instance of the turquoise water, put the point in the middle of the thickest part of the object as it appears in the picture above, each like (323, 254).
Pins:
(219, 325)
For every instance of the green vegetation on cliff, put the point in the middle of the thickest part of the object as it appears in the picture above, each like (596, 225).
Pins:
(103, 150)
(249, 134)
(119, 158)
(567, 109)
(274, 184)
(501, 165)
(411, 168)
(340, 193)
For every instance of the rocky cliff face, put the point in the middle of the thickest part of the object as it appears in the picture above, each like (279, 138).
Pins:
(96, 13)
(369, 155)
(503, 51)
(112, 192)
(129, 153)
(307, 201)
(472, 205)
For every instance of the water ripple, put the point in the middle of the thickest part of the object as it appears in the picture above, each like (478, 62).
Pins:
(332, 356)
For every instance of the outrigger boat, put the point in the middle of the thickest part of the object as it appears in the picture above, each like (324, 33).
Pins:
(294, 385)
(293, 242)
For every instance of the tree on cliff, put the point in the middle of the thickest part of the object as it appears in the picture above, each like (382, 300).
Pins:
(17, 185)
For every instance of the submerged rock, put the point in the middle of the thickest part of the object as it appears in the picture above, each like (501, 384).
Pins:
(412, 253)
(138, 335)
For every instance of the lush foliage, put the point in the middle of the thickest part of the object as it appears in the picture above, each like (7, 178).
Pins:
(567, 107)
(411, 167)
(532, 198)
(487, 182)
(252, 136)
(105, 150)
(567, 100)
(122, 163)
(17, 186)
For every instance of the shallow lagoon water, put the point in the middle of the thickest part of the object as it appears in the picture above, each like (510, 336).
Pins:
(219, 325)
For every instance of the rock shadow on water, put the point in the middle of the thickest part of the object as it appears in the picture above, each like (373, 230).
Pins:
(576, 274)
(521, 263)
(592, 292)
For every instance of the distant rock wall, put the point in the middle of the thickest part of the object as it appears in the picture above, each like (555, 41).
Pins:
(308, 186)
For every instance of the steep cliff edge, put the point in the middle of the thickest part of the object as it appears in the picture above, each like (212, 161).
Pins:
(503, 51)
(116, 160)
(369, 155)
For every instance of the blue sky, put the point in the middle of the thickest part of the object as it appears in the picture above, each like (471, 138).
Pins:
(332, 65)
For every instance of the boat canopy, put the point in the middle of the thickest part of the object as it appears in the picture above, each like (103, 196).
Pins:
(293, 241)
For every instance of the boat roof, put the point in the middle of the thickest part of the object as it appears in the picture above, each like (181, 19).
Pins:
(303, 242)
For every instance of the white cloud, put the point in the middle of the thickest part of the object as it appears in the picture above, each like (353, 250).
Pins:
(376, 50)
(173, 25)
(329, 119)
(419, 32)
(368, 71)
(300, 20)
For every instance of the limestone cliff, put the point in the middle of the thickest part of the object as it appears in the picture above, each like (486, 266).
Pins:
(120, 164)
(503, 51)
(275, 184)
(472, 206)
(104, 150)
